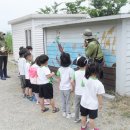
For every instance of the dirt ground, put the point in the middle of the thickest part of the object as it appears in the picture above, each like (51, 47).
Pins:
(17, 113)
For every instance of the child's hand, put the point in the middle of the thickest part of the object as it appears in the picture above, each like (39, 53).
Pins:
(52, 74)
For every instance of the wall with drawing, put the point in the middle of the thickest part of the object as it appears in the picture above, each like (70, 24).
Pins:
(69, 39)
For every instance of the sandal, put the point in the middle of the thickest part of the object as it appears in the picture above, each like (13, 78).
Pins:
(56, 110)
(45, 110)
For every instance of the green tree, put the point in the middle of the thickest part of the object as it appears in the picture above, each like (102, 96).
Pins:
(75, 7)
(54, 9)
(46, 10)
(8, 40)
(105, 7)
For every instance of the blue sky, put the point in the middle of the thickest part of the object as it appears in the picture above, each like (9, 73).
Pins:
(11, 9)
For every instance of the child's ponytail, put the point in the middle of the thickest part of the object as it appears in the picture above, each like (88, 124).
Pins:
(92, 69)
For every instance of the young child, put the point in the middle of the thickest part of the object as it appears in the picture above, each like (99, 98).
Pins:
(28, 90)
(33, 78)
(79, 88)
(65, 74)
(21, 68)
(91, 99)
(45, 85)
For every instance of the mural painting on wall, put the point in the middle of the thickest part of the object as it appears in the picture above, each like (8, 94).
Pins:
(107, 40)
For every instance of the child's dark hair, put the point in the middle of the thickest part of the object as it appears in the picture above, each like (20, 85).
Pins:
(29, 47)
(21, 48)
(22, 52)
(27, 54)
(81, 61)
(92, 69)
(43, 59)
(37, 61)
(65, 59)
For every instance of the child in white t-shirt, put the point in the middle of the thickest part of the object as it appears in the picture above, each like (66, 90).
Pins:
(65, 74)
(45, 84)
(28, 90)
(21, 68)
(33, 78)
(91, 99)
(78, 84)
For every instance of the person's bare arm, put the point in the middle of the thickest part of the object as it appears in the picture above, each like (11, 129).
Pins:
(73, 85)
(100, 101)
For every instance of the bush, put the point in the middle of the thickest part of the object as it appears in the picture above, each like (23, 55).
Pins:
(8, 40)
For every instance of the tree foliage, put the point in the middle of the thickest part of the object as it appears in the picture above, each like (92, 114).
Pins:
(8, 40)
(75, 7)
(97, 8)
(54, 9)
(105, 7)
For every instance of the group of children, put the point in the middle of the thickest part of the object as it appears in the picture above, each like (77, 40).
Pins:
(36, 81)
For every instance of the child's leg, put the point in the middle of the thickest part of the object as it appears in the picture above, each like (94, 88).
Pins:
(92, 124)
(92, 115)
(63, 101)
(67, 98)
(42, 103)
(37, 96)
(54, 108)
(23, 84)
(27, 91)
(47, 102)
(83, 121)
(52, 104)
(77, 106)
(30, 92)
(84, 114)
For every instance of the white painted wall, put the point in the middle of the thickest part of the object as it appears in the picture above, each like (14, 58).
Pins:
(18, 31)
(123, 59)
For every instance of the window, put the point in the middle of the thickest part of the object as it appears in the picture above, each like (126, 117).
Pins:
(28, 36)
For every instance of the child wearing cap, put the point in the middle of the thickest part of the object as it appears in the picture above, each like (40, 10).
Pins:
(78, 84)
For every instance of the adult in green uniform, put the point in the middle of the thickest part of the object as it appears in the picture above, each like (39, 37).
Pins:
(93, 50)
(3, 57)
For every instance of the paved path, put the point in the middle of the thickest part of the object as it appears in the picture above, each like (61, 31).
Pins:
(17, 113)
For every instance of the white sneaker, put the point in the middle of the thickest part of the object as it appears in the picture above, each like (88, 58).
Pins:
(68, 116)
(72, 115)
(64, 114)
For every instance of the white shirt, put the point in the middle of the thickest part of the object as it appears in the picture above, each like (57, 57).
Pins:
(89, 99)
(21, 66)
(78, 77)
(65, 74)
(42, 72)
(33, 79)
(27, 66)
